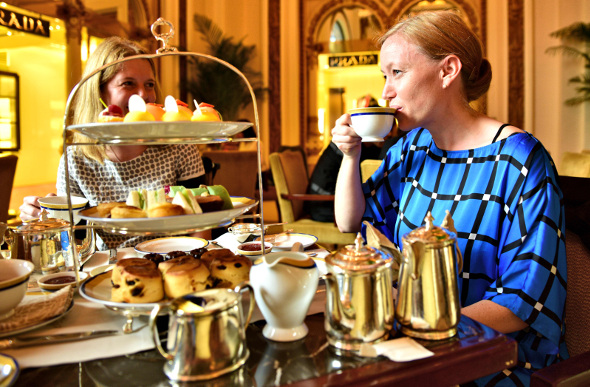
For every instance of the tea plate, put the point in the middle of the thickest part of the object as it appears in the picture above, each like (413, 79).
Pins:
(180, 223)
(287, 240)
(166, 245)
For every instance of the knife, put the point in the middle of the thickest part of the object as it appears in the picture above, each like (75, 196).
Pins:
(28, 341)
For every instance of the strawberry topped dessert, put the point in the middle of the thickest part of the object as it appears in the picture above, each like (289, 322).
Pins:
(112, 113)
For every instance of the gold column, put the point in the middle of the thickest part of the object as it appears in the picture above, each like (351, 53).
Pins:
(73, 13)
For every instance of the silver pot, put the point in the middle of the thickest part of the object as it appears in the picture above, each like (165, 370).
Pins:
(46, 242)
(206, 334)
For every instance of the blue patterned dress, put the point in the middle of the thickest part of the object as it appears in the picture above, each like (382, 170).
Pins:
(508, 212)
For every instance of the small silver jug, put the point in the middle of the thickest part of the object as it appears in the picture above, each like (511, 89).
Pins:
(206, 333)
(428, 304)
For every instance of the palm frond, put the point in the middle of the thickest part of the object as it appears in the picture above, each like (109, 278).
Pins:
(577, 32)
(216, 84)
(577, 100)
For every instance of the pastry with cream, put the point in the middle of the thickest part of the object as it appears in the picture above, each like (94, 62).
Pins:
(112, 113)
(138, 110)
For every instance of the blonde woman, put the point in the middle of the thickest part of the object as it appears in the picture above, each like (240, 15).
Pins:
(498, 182)
(107, 173)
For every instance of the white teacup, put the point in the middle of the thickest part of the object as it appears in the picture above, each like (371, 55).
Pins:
(57, 207)
(372, 123)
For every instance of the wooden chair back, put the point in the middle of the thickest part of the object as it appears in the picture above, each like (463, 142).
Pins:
(290, 177)
(368, 167)
(7, 171)
(574, 371)
(236, 170)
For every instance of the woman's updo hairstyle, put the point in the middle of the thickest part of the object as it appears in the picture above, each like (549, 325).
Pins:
(442, 33)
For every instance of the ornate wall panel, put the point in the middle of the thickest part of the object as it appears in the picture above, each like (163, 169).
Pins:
(314, 12)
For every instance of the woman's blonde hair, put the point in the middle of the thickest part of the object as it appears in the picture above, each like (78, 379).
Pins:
(442, 33)
(86, 105)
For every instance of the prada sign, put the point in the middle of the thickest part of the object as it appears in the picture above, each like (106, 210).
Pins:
(24, 23)
(353, 60)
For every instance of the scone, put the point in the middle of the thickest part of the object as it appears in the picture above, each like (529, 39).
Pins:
(167, 264)
(208, 256)
(139, 284)
(186, 277)
(230, 271)
(123, 263)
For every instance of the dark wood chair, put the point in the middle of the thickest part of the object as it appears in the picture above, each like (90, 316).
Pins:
(236, 170)
(574, 371)
(7, 170)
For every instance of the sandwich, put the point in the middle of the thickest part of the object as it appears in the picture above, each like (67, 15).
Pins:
(187, 201)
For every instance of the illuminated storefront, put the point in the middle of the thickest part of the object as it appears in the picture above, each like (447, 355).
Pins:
(346, 81)
(32, 91)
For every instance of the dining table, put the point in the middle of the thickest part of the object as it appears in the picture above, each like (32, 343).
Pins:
(131, 359)
(474, 352)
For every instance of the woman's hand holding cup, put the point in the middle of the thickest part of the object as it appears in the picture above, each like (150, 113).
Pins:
(345, 138)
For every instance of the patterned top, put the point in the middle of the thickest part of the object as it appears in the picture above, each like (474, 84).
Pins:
(507, 208)
(155, 168)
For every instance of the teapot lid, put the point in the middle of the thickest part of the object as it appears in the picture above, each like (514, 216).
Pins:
(43, 224)
(359, 257)
(430, 234)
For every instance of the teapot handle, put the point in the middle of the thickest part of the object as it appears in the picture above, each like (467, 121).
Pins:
(153, 317)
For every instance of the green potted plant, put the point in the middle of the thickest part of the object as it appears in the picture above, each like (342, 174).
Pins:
(577, 32)
(216, 84)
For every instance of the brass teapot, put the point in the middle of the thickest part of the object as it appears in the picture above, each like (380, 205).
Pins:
(359, 296)
(428, 304)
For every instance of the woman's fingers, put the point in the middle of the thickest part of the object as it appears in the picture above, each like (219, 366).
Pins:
(30, 208)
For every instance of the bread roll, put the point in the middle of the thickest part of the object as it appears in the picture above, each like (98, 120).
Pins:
(186, 277)
(158, 210)
(139, 284)
(125, 211)
(104, 209)
(230, 271)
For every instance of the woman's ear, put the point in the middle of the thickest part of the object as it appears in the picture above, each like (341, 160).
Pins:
(450, 69)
